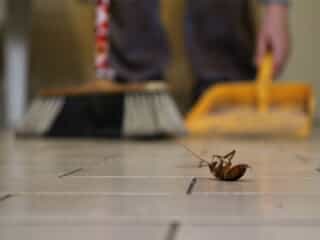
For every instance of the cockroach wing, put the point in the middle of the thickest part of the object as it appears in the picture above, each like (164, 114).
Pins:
(235, 173)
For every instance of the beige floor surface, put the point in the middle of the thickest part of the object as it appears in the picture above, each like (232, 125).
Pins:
(95, 189)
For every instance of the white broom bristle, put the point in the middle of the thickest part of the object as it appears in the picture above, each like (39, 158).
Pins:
(40, 117)
(152, 114)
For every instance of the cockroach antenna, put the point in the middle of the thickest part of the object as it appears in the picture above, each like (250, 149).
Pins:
(203, 162)
(195, 155)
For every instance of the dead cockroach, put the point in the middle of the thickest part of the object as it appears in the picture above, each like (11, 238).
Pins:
(223, 169)
(221, 166)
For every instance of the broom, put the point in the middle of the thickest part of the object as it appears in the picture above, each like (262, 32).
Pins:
(103, 108)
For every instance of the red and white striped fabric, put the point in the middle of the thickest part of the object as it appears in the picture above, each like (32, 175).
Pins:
(103, 68)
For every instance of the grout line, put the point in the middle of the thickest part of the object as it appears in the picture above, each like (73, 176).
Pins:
(191, 186)
(134, 177)
(286, 177)
(180, 220)
(71, 172)
(173, 230)
(167, 194)
(5, 197)
(96, 194)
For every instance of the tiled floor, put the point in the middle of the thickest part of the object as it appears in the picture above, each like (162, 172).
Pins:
(86, 189)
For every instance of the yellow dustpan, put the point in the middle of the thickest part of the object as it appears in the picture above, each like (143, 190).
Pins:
(254, 108)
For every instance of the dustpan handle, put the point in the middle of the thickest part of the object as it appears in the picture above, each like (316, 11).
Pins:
(264, 83)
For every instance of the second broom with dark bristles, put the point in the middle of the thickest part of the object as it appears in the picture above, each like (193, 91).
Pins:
(104, 109)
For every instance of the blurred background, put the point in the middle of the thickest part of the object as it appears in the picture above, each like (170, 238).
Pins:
(50, 43)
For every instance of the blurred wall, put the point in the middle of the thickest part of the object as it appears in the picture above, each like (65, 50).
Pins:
(305, 58)
(62, 44)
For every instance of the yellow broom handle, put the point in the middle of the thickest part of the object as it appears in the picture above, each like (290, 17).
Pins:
(264, 82)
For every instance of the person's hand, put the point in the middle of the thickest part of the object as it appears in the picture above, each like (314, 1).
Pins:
(274, 36)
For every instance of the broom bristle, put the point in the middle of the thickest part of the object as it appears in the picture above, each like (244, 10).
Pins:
(152, 114)
(40, 117)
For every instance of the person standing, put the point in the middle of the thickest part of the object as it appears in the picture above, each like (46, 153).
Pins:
(220, 37)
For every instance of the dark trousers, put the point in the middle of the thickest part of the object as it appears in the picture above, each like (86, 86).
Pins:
(218, 34)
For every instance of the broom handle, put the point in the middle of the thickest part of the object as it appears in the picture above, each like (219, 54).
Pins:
(264, 82)
(103, 86)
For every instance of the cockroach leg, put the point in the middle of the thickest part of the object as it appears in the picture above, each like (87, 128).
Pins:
(219, 157)
(230, 156)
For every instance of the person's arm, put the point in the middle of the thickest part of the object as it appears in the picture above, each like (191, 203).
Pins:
(274, 33)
